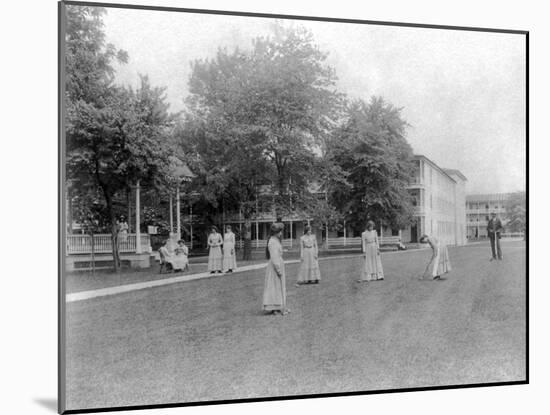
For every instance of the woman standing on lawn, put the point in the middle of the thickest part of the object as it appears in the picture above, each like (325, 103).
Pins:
(215, 253)
(309, 266)
(229, 257)
(373, 264)
(439, 263)
(274, 300)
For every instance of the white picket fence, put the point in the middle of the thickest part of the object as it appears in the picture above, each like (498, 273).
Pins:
(356, 241)
(82, 244)
(262, 243)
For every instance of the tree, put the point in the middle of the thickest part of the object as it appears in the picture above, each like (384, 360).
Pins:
(371, 150)
(115, 135)
(262, 114)
(516, 212)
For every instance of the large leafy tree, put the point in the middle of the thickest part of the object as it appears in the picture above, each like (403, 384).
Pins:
(371, 149)
(115, 135)
(257, 117)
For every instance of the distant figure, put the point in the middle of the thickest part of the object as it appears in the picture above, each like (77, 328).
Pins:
(439, 263)
(309, 266)
(373, 264)
(215, 253)
(122, 230)
(180, 261)
(494, 229)
(229, 257)
(274, 300)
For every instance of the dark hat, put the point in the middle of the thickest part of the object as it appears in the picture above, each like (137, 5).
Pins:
(213, 228)
(277, 227)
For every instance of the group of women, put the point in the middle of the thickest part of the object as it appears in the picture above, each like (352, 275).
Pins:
(274, 298)
(221, 256)
(176, 256)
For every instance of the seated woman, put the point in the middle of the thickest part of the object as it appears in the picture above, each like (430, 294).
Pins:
(180, 261)
(166, 256)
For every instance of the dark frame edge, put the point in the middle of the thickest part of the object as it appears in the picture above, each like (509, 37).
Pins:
(527, 206)
(61, 228)
(290, 17)
(292, 397)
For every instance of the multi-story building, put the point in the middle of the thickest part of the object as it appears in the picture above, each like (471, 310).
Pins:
(478, 210)
(439, 200)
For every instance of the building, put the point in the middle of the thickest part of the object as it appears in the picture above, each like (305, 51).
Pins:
(478, 210)
(439, 197)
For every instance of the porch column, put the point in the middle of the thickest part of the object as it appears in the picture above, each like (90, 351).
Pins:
(257, 224)
(138, 230)
(191, 225)
(171, 215)
(291, 233)
(178, 213)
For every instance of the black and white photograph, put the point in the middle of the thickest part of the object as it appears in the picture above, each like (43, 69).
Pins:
(267, 206)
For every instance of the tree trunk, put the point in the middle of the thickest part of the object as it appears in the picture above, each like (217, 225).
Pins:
(93, 252)
(247, 246)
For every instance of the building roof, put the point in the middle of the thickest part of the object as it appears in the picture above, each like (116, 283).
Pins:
(456, 173)
(420, 156)
(487, 197)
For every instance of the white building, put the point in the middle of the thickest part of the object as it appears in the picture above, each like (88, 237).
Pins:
(478, 211)
(440, 200)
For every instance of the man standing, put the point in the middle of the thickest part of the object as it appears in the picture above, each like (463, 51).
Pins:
(494, 228)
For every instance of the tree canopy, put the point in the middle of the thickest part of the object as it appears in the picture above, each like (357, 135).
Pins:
(370, 147)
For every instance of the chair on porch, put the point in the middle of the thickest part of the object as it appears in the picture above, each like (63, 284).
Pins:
(163, 262)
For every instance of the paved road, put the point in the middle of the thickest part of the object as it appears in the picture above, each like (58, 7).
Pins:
(207, 339)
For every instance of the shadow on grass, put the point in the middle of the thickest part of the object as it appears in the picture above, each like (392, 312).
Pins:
(48, 403)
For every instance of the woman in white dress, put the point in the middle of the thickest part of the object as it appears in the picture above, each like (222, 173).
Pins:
(309, 266)
(274, 299)
(372, 270)
(229, 257)
(439, 262)
(180, 261)
(215, 251)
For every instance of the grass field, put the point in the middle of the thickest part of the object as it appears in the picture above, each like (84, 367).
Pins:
(208, 340)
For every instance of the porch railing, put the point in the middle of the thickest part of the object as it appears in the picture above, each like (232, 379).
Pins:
(82, 244)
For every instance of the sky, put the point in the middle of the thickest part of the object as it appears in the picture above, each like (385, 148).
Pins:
(463, 93)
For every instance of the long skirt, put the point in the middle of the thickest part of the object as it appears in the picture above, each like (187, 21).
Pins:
(439, 263)
(309, 267)
(229, 259)
(179, 261)
(373, 264)
(215, 259)
(274, 290)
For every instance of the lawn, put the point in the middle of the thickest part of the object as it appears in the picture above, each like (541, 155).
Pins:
(208, 340)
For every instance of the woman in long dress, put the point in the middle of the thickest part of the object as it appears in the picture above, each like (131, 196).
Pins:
(180, 261)
(372, 270)
(215, 252)
(309, 266)
(274, 300)
(439, 262)
(229, 257)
